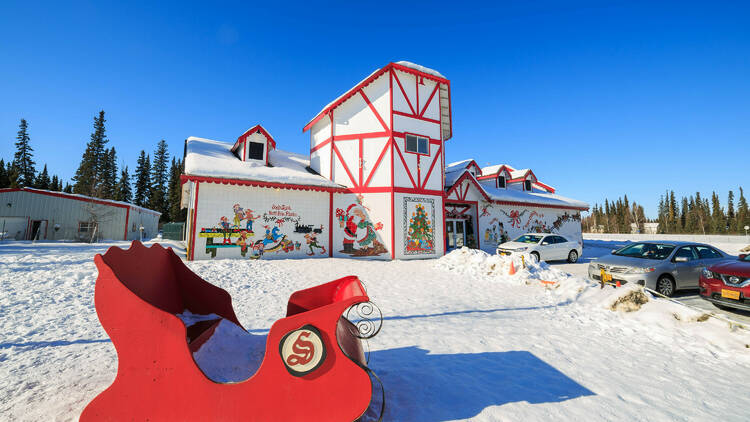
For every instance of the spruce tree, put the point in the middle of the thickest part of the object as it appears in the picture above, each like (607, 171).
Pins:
(23, 159)
(731, 223)
(68, 188)
(13, 176)
(158, 194)
(142, 179)
(718, 220)
(43, 181)
(109, 174)
(672, 216)
(123, 192)
(54, 183)
(174, 195)
(88, 177)
(4, 182)
(743, 213)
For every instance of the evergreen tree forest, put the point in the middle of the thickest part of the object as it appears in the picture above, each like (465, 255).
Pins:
(155, 184)
(693, 214)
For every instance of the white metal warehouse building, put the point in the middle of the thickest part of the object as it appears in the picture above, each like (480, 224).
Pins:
(27, 214)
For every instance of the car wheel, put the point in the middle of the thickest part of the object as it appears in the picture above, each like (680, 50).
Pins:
(534, 257)
(665, 286)
(573, 256)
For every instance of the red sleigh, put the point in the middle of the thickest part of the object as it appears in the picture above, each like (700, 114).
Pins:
(314, 366)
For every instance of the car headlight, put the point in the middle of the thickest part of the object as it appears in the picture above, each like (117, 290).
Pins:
(521, 249)
(709, 274)
(640, 270)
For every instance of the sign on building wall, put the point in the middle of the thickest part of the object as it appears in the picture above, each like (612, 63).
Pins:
(502, 223)
(261, 224)
(419, 226)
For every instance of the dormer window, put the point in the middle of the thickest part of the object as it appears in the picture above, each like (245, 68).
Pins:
(501, 182)
(527, 185)
(255, 150)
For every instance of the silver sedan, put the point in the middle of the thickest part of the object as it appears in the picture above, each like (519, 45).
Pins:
(661, 266)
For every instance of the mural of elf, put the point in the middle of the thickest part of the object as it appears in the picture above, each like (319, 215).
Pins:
(360, 234)
(419, 231)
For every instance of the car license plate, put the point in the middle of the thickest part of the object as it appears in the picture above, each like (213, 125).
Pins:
(605, 277)
(730, 294)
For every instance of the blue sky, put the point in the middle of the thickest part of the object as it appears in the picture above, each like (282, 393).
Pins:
(599, 99)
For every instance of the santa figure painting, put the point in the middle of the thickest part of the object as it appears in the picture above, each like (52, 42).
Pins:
(360, 234)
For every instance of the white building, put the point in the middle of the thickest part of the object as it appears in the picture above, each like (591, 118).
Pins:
(374, 185)
(27, 213)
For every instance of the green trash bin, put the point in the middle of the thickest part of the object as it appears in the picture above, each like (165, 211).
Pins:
(173, 231)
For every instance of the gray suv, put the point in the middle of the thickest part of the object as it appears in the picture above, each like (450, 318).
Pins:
(661, 266)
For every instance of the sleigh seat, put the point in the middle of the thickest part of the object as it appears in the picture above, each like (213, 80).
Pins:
(314, 366)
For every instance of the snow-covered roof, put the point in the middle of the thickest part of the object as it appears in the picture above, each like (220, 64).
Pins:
(210, 158)
(490, 170)
(512, 195)
(341, 98)
(421, 68)
(79, 197)
(458, 165)
(515, 174)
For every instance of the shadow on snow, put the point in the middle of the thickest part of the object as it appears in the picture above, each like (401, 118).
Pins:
(429, 387)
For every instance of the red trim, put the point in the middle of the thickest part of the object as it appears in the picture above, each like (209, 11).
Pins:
(406, 167)
(361, 162)
(402, 135)
(406, 97)
(467, 175)
(372, 107)
(127, 218)
(76, 198)
(476, 226)
(320, 145)
(354, 136)
(549, 188)
(425, 119)
(429, 141)
(250, 131)
(393, 178)
(421, 114)
(371, 78)
(333, 141)
(330, 224)
(387, 189)
(195, 218)
(343, 164)
(256, 183)
(377, 163)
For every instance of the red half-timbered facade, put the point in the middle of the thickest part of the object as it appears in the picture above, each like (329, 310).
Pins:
(375, 184)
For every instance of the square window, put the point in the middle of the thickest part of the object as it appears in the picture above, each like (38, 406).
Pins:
(255, 150)
(411, 143)
(423, 145)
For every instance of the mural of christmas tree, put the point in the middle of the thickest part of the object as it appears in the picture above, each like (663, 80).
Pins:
(420, 234)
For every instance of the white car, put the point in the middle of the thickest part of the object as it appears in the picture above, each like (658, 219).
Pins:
(542, 246)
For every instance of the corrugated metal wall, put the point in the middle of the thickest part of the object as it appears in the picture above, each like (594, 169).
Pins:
(68, 213)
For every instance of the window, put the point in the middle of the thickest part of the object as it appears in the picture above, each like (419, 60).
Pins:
(527, 185)
(560, 239)
(417, 144)
(255, 150)
(707, 253)
(685, 252)
(501, 181)
(86, 227)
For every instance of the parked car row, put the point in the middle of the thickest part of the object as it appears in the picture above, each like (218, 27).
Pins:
(662, 266)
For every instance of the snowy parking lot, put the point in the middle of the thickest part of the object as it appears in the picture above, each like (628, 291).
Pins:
(461, 339)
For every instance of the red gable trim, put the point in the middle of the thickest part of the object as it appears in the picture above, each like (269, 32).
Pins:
(257, 183)
(257, 128)
(80, 198)
(549, 188)
(366, 82)
(463, 177)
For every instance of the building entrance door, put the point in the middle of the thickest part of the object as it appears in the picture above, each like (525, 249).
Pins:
(455, 232)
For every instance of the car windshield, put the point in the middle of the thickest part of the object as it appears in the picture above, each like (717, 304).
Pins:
(529, 238)
(646, 251)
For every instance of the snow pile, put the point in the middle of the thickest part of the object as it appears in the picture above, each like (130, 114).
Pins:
(479, 264)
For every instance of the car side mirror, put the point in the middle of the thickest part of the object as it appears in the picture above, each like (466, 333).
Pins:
(612, 252)
(681, 259)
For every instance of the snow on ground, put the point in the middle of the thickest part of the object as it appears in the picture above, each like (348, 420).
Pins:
(460, 340)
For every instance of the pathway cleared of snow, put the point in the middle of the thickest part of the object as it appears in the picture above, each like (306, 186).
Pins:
(457, 343)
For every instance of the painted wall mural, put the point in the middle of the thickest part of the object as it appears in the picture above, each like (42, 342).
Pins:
(419, 226)
(274, 228)
(360, 233)
(504, 223)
